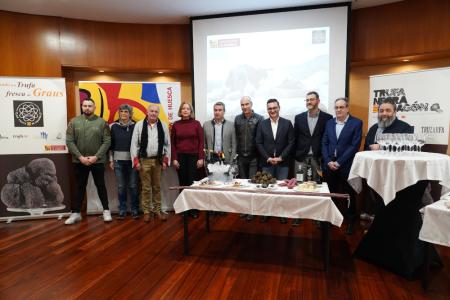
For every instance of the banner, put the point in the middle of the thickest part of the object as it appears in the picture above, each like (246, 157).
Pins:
(108, 96)
(33, 153)
(421, 98)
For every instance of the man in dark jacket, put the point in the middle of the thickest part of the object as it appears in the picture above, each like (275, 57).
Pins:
(387, 123)
(245, 126)
(308, 129)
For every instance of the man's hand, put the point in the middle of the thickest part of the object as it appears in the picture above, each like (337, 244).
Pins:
(164, 166)
(92, 159)
(374, 147)
(111, 165)
(333, 166)
(84, 160)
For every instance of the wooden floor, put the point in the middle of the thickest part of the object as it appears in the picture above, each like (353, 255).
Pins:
(44, 259)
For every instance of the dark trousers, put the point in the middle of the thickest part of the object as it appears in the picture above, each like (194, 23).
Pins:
(337, 183)
(247, 166)
(81, 179)
(188, 168)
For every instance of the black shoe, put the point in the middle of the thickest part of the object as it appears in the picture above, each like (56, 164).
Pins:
(135, 215)
(350, 229)
(263, 219)
(283, 220)
(296, 222)
(249, 218)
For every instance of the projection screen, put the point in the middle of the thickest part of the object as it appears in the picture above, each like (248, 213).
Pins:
(279, 54)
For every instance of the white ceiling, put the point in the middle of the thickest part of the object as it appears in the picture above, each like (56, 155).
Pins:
(156, 11)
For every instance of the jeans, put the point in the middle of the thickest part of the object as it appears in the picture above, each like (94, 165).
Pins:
(277, 171)
(247, 166)
(81, 178)
(126, 178)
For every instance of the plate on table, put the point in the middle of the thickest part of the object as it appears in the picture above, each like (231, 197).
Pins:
(308, 187)
(210, 183)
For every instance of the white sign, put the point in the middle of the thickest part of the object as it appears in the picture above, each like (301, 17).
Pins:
(422, 100)
(34, 115)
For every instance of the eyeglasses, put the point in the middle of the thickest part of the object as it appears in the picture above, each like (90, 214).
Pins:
(340, 107)
(310, 100)
(272, 108)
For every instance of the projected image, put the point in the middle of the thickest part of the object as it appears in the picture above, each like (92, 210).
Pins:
(283, 64)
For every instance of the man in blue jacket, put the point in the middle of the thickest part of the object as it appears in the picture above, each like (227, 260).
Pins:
(340, 143)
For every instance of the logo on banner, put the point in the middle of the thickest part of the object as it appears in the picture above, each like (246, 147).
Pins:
(398, 95)
(28, 114)
(55, 147)
(44, 135)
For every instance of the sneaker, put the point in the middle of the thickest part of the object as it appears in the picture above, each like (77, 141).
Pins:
(74, 217)
(107, 216)
(121, 215)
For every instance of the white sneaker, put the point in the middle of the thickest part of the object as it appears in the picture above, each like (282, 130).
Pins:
(74, 217)
(107, 216)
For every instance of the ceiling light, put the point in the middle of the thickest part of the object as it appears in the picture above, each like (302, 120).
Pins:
(160, 72)
(101, 71)
(406, 60)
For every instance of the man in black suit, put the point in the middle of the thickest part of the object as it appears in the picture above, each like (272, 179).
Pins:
(275, 141)
(308, 130)
(387, 123)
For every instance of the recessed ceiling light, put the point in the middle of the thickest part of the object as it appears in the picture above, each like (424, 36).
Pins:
(160, 72)
(101, 71)
(405, 60)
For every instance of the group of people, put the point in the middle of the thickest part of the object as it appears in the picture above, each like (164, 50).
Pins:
(316, 141)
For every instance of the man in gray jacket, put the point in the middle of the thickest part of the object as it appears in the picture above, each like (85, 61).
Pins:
(220, 138)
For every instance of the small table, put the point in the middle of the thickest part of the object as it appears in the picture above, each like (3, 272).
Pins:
(258, 202)
(400, 179)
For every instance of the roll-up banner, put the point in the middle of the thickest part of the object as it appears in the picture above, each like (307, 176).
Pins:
(422, 99)
(108, 96)
(33, 153)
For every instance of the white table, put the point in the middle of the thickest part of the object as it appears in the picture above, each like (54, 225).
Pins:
(400, 179)
(436, 223)
(320, 208)
(388, 173)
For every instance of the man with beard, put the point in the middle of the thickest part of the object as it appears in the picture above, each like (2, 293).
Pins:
(88, 140)
(308, 129)
(387, 123)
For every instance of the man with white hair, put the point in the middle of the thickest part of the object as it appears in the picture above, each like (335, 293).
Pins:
(150, 152)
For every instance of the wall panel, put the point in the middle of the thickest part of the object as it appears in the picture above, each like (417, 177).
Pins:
(29, 45)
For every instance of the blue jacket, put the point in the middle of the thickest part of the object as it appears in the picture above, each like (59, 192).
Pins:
(344, 148)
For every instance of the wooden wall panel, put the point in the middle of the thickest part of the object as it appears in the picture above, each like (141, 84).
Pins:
(410, 27)
(125, 46)
(29, 45)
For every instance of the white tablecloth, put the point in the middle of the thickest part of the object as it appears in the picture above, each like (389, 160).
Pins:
(289, 206)
(387, 173)
(436, 223)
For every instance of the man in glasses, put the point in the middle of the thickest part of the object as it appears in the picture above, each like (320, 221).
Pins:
(275, 141)
(308, 129)
(340, 143)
